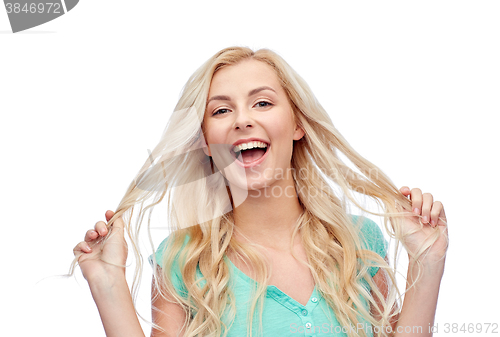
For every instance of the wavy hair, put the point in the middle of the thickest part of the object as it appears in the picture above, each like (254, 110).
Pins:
(200, 205)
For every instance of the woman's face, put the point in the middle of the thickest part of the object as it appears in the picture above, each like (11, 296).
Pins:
(247, 101)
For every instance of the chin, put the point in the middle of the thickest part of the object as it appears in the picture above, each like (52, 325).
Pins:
(250, 184)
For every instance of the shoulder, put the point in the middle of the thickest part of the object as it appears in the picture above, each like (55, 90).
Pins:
(167, 244)
(181, 235)
(366, 225)
(176, 240)
(371, 234)
(371, 238)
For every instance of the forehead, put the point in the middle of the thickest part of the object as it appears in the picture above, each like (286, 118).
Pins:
(245, 75)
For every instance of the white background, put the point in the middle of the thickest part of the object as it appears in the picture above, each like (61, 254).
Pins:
(414, 87)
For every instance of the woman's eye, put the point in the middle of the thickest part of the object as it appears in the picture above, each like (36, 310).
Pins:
(216, 112)
(266, 104)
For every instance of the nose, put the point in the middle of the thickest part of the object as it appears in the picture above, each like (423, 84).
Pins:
(242, 119)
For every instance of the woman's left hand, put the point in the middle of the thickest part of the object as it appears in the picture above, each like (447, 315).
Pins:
(433, 214)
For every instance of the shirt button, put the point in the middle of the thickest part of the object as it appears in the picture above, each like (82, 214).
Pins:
(314, 299)
(308, 325)
(304, 312)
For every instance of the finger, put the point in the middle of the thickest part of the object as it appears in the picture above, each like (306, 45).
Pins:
(426, 207)
(82, 247)
(109, 214)
(91, 235)
(442, 217)
(437, 207)
(416, 200)
(118, 223)
(405, 190)
(100, 227)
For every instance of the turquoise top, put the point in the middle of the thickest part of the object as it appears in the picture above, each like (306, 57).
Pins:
(282, 315)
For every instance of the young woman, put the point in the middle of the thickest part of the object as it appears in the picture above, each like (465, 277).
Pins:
(261, 243)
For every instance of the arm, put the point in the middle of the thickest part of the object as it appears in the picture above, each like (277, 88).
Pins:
(419, 306)
(108, 283)
(172, 322)
(118, 316)
(116, 308)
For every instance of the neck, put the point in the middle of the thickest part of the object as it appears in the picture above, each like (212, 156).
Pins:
(268, 216)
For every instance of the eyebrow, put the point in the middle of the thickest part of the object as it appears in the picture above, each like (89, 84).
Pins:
(250, 93)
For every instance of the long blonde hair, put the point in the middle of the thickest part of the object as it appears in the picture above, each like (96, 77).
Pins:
(200, 205)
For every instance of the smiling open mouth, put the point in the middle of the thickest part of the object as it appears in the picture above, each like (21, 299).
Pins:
(248, 156)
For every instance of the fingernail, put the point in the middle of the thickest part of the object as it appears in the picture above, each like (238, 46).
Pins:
(88, 248)
(416, 210)
(433, 223)
(425, 220)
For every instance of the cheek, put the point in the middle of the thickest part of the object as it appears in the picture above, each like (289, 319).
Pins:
(208, 131)
(282, 122)
(280, 129)
(215, 135)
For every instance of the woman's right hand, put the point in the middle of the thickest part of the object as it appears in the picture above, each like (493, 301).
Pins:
(92, 252)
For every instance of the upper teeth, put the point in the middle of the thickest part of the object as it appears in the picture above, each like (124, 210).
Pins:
(249, 145)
